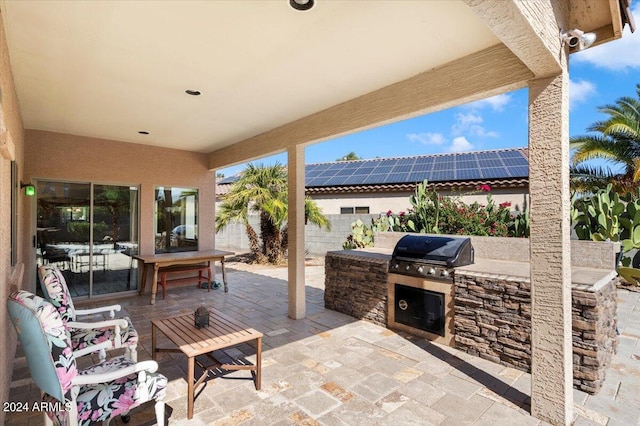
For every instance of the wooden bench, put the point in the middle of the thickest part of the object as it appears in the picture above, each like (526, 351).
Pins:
(181, 269)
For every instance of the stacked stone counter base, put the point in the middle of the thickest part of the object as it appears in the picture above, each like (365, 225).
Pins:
(492, 302)
(356, 284)
(493, 321)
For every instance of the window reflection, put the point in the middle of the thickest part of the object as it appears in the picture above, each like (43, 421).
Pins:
(176, 224)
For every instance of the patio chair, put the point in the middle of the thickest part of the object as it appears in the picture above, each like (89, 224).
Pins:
(120, 332)
(75, 396)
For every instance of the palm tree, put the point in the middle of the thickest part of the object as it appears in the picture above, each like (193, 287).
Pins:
(263, 189)
(618, 143)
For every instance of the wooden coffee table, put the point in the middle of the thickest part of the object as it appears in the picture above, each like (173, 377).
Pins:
(223, 332)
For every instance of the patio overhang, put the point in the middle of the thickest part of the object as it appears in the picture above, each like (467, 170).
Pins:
(274, 79)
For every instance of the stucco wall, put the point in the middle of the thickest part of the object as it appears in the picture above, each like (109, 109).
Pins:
(57, 156)
(11, 139)
(383, 201)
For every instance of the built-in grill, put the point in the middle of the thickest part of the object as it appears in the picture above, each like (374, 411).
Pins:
(421, 290)
(430, 256)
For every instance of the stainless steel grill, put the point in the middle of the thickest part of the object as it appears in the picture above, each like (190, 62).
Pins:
(430, 256)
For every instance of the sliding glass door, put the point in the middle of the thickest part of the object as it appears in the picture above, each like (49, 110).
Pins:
(90, 232)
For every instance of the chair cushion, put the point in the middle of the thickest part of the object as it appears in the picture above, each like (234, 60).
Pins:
(98, 402)
(81, 338)
(55, 287)
(56, 350)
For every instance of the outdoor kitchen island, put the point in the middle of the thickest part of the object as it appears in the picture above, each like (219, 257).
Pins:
(491, 306)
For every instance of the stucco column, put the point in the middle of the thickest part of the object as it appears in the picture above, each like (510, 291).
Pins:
(551, 363)
(295, 158)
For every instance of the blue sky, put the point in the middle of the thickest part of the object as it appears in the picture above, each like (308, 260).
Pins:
(599, 76)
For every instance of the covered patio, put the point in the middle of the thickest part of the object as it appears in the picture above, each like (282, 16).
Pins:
(332, 369)
(148, 95)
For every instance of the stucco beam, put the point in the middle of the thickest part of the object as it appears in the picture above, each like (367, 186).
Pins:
(486, 73)
(527, 28)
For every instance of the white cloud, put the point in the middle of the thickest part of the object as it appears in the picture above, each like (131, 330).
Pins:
(580, 90)
(471, 124)
(496, 103)
(617, 55)
(427, 138)
(460, 144)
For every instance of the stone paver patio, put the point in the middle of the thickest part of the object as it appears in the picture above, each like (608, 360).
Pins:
(331, 369)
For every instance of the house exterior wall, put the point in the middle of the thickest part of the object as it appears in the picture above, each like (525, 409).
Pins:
(382, 202)
(11, 149)
(48, 156)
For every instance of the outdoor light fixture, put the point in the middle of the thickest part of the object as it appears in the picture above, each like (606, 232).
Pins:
(29, 189)
(578, 39)
(301, 4)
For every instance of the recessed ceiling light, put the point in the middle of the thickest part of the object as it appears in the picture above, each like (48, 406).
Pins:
(301, 4)
(193, 92)
(143, 132)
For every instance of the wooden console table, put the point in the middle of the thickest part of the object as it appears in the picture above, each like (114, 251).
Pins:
(158, 261)
(223, 332)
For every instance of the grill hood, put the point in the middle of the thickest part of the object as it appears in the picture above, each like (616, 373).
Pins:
(435, 249)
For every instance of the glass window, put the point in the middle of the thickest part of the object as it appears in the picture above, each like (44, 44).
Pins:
(176, 223)
(90, 232)
(362, 210)
(346, 210)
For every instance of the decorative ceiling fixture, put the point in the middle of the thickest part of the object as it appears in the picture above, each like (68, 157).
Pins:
(193, 92)
(578, 39)
(301, 4)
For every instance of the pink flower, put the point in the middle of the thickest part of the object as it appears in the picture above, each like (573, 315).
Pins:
(389, 213)
(401, 214)
(505, 205)
(484, 188)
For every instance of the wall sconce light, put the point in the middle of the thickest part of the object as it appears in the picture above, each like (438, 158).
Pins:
(578, 39)
(29, 189)
(301, 4)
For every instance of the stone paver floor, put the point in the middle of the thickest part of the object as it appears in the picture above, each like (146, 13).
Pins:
(331, 369)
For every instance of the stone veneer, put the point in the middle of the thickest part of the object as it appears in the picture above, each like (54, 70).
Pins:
(356, 284)
(492, 313)
(493, 321)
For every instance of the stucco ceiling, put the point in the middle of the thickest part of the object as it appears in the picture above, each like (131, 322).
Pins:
(109, 69)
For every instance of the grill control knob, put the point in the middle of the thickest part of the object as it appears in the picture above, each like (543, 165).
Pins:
(420, 269)
(406, 268)
(432, 271)
(396, 266)
(445, 273)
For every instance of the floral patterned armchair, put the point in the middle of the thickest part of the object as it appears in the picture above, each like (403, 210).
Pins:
(119, 332)
(79, 397)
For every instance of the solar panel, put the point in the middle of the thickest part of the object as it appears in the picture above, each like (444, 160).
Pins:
(424, 167)
(493, 162)
(406, 162)
(345, 172)
(467, 164)
(494, 172)
(353, 180)
(516, 162)
(364, 170)
(440, 168)
(397, 177)
(509, 154)
(373, 178)
(383, 169)
(442, 175)
(417, 176)
(468, 174)
(520, 171)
